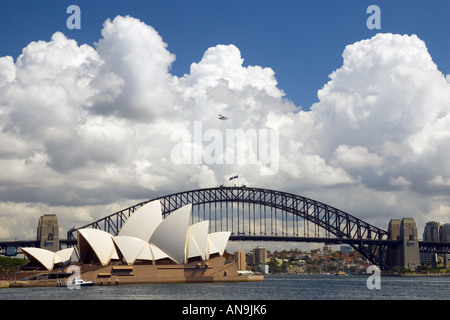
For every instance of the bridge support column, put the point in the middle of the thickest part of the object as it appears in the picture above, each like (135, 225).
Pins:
(406, 254)
(48, 232)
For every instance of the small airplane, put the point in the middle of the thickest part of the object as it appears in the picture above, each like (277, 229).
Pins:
(221, 117)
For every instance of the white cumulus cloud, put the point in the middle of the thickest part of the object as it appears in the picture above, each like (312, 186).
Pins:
(88, 130)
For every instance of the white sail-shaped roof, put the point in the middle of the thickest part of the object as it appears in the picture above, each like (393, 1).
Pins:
(146, 236)
(48, 258)
(143, 222)
(217, 242)
(44, 257)
(157, 252)
(152, 253)
(196, 243)
(146, 253)
(100, 242)
(129, 247)
(63, 256)
(170, 235)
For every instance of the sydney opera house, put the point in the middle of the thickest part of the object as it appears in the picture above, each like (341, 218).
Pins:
(147, 249)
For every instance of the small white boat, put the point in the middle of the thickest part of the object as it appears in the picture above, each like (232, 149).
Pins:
(81, 282)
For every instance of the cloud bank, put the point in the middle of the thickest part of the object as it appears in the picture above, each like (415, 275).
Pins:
(88, 130)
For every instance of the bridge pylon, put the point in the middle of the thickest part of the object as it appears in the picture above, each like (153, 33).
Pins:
(406, 253)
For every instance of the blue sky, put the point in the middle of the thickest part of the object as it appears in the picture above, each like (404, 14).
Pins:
(302, 41)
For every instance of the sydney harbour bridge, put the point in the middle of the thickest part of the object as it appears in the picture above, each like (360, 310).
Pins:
(258, 214)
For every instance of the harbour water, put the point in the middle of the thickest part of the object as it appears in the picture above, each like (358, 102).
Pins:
(274, 287)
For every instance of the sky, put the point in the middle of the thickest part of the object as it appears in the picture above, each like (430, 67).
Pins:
(302, 41)
(95, 119)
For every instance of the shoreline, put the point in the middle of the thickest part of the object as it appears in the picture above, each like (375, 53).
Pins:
(217, 269)
(418, 275)
(56, 284)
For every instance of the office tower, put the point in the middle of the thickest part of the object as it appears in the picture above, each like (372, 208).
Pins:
(431, 231)
(445, 232)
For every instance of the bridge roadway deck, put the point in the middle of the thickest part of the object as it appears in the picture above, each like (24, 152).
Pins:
(424, 246)
(325, 240)
(73, 242)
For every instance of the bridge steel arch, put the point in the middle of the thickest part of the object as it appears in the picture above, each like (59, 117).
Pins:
(266, 215)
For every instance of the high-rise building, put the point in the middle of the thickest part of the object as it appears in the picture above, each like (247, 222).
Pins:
(260, 255)
(48, 232)
(435, 231)
(445, 232)
(431, 231)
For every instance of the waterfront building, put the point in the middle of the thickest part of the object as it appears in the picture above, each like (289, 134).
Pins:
(147, 249)
(144, 238)
(263, 268)
(260, 255)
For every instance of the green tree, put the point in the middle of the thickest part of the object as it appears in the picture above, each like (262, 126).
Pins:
(284, 266)
(274, 266)
(10, 264)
